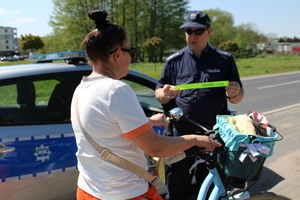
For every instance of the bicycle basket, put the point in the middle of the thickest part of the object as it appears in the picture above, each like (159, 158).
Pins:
(244, 154)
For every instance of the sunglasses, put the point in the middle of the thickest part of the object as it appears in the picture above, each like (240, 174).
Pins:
(131, 51)
(197, 31)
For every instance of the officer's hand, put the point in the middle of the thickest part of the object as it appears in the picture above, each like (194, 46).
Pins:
(170, 91)
(232, 90)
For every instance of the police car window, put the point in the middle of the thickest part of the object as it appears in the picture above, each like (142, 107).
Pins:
(8, 101)
(43, 99)
(30, 102)
(146, 98)
(43, 91)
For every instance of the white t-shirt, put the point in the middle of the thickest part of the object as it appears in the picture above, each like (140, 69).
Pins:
(112, 115)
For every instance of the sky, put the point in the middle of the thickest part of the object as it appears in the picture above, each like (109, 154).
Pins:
(274, 18)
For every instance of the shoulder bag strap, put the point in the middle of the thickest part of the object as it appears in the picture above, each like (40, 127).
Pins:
(107, 155)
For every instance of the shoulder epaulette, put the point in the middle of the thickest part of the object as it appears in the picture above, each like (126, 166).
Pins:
(224, 53)
(174, 55)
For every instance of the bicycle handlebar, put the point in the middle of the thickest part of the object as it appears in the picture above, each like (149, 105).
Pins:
(193, 151)
(176, 114)
(175, 158)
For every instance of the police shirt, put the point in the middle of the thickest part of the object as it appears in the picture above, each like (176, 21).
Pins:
(183, 67)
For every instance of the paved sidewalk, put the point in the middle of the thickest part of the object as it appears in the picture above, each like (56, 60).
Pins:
(281, 173)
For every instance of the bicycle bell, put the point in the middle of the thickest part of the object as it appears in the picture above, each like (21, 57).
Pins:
(176, 113)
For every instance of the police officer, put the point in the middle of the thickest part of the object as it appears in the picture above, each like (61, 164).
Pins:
(197, 63)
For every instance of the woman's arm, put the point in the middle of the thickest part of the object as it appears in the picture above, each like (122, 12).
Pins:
(162, 146)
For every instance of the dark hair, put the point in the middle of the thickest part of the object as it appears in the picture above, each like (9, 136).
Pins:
(104, 37)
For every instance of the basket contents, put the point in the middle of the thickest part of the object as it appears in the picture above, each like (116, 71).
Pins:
(248, 142)
(242, 123)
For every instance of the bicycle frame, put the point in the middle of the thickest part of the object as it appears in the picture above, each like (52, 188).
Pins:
(219, 189)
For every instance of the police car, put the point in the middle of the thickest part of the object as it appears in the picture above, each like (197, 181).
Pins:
(37, 143)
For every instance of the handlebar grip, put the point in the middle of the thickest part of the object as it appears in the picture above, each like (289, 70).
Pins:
(175, 158)
(167, 120)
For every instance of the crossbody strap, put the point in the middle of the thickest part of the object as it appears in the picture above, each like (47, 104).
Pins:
(106, 154)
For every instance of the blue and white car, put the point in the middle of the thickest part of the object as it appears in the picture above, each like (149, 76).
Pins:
(37, 143)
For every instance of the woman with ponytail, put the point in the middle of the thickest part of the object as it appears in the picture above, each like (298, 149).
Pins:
(111, 114)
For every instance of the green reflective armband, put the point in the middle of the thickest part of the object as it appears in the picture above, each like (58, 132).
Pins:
(202, 85)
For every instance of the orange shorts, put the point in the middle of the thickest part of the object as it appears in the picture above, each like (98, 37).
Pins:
(151, 194)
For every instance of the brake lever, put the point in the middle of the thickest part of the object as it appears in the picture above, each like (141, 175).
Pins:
(201, 160)
(195, 164)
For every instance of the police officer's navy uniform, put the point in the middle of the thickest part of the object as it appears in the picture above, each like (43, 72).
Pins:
(200, 105)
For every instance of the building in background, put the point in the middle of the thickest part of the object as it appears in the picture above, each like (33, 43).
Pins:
(288, 47)
(274, 46)
(9, 44)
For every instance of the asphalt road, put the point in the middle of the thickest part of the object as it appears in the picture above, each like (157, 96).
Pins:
(278, 98)
(281, 173)
(270, 92)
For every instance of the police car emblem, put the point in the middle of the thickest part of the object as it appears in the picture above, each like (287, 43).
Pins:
(42, 153)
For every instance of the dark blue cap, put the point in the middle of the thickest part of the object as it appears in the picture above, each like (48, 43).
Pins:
(196, 19)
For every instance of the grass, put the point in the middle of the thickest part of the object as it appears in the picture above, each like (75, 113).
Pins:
(268, 64)
(259, 65)
(26, 61)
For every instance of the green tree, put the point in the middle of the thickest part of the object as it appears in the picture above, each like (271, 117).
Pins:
(230, 46)
(247, 37)
(52, 44)
(143, 20)
(152, 45)
(31, 42)
(170, 18)
(222, 24)
(70, 22)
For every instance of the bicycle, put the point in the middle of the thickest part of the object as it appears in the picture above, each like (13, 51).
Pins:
(222, 190)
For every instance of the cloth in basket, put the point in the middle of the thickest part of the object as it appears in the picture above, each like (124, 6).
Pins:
(244, 154)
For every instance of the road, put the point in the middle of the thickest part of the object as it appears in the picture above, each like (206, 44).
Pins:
(270, 92)
(281, 172)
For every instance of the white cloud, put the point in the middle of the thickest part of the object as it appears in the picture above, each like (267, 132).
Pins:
(21, 21)
(16, 11)
(2, 11)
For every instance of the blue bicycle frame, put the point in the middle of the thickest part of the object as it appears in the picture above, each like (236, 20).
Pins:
(218, 190)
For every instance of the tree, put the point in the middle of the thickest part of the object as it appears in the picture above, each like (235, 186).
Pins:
(143, 20)
(222, 24)
(70, 22)
(247, 37)
(169, 19)
(152, 45)
(52, 44)
(230, 46)
(31, 42)
(286, 39)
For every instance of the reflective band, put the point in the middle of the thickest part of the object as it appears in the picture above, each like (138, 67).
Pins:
(202, 85)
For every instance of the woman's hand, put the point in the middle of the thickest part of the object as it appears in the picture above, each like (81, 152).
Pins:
(206, 143)
(158, 120)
